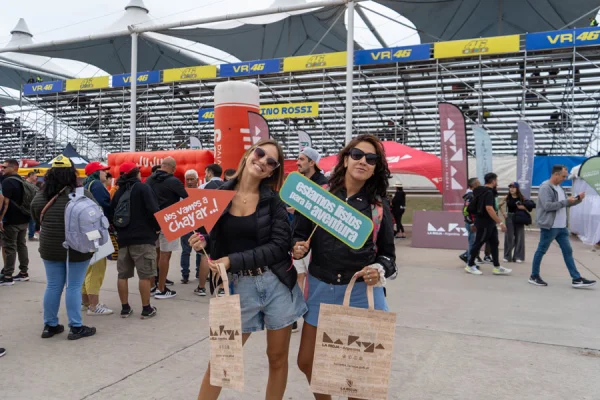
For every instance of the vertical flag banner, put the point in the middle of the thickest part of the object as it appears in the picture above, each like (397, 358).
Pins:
(454, 156)
(483, 149)
(195, 143)
(304, 140)
(590, 172)
(259, 127)
(525, 155)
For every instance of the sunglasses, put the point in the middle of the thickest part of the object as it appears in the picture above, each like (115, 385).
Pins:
(271, 162)
(358, 154)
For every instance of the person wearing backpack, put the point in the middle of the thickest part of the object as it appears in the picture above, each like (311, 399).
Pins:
(14, 222)
(361, 179)
(133, 208)
(49, 208)
(94, 277)
(469, 218)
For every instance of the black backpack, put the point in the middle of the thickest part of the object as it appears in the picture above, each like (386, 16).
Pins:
(474, 208)
(122, 215)
(29, 192)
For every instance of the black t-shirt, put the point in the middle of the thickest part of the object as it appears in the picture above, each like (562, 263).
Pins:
(487, 199)
(13, 189)
(245, 237)
(511, 204)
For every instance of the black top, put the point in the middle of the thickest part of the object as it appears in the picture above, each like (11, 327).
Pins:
(511, 204)
(245, 233)
(12, 188)
(213, 184)
(319, 178)
(485, 197)
(333, 260)
(169, 190)
(143, 226)
(399, 201)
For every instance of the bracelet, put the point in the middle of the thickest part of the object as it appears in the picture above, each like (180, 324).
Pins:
(379, 268)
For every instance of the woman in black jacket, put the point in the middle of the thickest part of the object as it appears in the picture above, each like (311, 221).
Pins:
(252, 240)
(398, 208)
(361, 179)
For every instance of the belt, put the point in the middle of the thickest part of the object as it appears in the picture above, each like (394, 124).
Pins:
(254, 272)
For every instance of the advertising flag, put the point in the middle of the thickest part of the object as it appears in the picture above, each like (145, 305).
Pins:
(525, 156)
(304, 140)
(454, 156)
(590, 172)
(259, 127)
(483, 149)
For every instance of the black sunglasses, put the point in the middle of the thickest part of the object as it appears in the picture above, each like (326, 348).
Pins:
(271, 162)
(358, 154)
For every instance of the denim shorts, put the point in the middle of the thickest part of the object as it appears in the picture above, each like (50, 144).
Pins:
(320, 292)
(267, 303)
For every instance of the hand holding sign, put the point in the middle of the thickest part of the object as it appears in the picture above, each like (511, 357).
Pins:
(201, 209)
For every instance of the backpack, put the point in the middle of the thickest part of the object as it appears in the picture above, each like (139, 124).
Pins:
(29, 192)
(466, 214)
(122, 215)
(86, 227)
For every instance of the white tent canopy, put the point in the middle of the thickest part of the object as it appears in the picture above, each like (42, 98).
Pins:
(585, 218)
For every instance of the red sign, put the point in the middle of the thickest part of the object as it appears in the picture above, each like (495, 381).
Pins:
(202, 208)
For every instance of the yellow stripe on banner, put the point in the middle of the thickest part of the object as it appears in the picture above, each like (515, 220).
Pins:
(190, 73)
(87, 83)
(476, 47)
(318, 61)
(292, 110)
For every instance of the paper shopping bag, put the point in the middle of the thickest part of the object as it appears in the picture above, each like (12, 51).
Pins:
(226, 352)
(353, 352)
(103, 251)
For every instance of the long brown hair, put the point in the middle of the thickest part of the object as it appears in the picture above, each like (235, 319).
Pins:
(275, 181)
(377, 185)
(519, 194)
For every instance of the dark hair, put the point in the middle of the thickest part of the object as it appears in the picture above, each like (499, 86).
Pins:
(557, 169)
(471, 182)
(519, 194)
(489, 177)
(377, 185)
(275, 181)
(155, 168)
(229, 172)
(215, 169)
(131, 174)
(12, 162)
(31, 173)
(58, 178)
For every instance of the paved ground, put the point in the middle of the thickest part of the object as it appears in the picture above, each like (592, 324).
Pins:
(458, 337)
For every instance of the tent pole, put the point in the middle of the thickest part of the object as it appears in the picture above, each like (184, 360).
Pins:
(133, 79)
(349, 70)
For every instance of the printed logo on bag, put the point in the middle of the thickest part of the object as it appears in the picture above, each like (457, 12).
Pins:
(349, 389)
(452, 230)
(352, 344)
(223, 334)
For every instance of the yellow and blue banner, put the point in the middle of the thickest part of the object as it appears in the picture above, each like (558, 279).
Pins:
(566, 38)
(143, 78)
(73, 85)
(392, 55)
(259, 67)
(477, 47)
(318, 61)
(34, 89)
(272, 111)
(190, 73)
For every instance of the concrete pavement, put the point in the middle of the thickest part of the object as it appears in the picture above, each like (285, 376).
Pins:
(458, 336)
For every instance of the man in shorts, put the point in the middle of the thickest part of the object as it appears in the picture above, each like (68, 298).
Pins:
(137, 239)
(169, 190)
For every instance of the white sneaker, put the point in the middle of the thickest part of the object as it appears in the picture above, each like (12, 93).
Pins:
(502, 271)
(519, 261)
(473, 270)
(505, 259)
(100, 309)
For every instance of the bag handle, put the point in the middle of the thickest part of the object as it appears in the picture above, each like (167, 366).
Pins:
(224, 280)
(47, 206)
(349, 293)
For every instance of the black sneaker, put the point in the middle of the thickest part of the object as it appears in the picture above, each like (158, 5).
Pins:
(221, 293)
(2, 351)
(185, 281)
(6, 281)
(478, 260)
(487, 260)
(295, 327)
(169, 283)
(464, 258)
(538, 281)
(153, 290)
(582, 283)
(21, 277)
(50, 331)
(147, 314)
(126, 312)
(81, 332)
(200, 291)
(167, 294)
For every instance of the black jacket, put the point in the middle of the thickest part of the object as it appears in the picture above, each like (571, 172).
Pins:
(169, 190)
(335, 263)
(143, 226)
(213, 185)
(273, 234)
(399, 201)
(319, 178)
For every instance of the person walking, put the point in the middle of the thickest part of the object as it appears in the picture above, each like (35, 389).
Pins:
(472, 184)
(31, 178)
(361, 179)
(551, 218)
(514, 239)
(48, 209)
(169, 190)
(486, 221)
(136, 237)
(94, 277)
(398, 208)
(252, 240)
(13, 225)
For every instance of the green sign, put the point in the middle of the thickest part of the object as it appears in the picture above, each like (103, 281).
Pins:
(327, 211)
(590, 172)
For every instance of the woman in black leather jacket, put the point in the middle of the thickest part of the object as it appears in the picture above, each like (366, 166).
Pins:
(361, 179)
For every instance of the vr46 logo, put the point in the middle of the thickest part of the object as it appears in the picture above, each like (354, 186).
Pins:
(388, 55)
(41, 88)
(568, 37)
(248, 68)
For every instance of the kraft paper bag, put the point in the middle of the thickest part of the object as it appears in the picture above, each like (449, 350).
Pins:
(226, 352)
(353, 352)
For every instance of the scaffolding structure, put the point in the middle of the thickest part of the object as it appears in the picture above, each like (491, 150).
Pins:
(556, 92)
